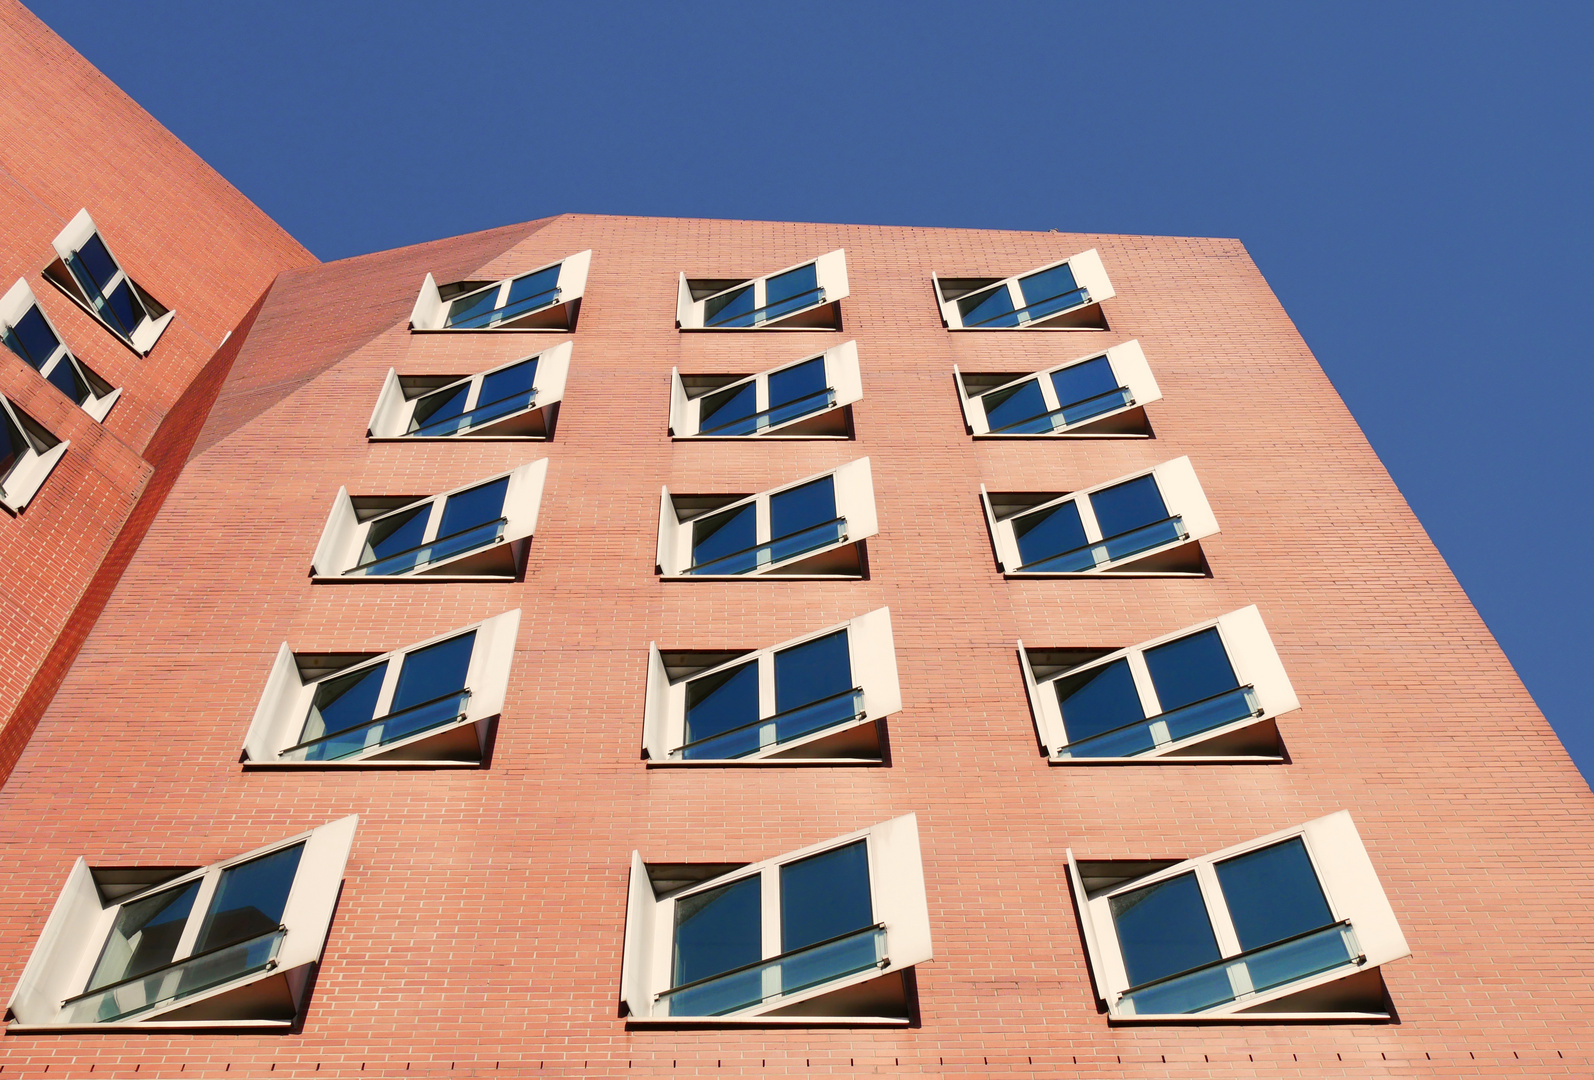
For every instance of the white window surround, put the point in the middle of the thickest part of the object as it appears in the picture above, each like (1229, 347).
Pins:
(395, 406)
(337, 555)
(39, 453)
(843, 383)
(432, 306)
(1256, 664)
(900, 909)
(1107, 418)
(854, 495)
(150, 323)
(1353, 990)
(14, 306)
(266, 999)
(273, 739)
(1180, 556)
(1090, 277)
(821, 310)
(873, 659)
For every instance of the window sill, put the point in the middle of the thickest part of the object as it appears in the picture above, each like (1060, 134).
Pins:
(150, 1026)
(759, 438)
(666, 1022)
(420, 763)
(736, 763)
(493, 330)
(1253, 1018)
(433, 579)
(1109, 574)
(1065, 435)
(1189, 759)
(454, 438)
(769, 577)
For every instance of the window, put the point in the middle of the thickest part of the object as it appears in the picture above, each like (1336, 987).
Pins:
(226, 946)
(1064, 295)
(433, 703)
(87, 272)
(1101, 395)
(27, 455)
(819, 699)
(547, 298)
(1206, 693)
(823, 935)
(802, 297)
(813, 528)
(1290, 926)
(518, 400)
(29, 333)
(475, 533)
(1147, 524)
(806, 400)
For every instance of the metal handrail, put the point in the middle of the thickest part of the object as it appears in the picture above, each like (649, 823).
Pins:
(820, 289)
(1027, 307)
(385, 718)
(829, 390)
(518, 307)
(761, 721)
(173, 964)
(427, 544)
(771, 542)
(1121, 391)
(455, 419)
(773, 959)
(1221, 961)
(1258, 711)
(1175, 518)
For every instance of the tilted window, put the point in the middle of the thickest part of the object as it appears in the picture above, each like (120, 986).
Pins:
(432, 703)
(1290, 926)
(88, 273)
(1206, 693)
(30, 334)
(1064, 295)
(822, 935)
(547, 298)
(27, 455)
(806, 400)
(1101, 395)
(518, 400)
(228, 946)
(802, 297)
(479, 532)
(822, 697)
(813, 528)
(1143, 524)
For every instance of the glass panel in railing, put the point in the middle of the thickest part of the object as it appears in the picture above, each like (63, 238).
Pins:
(799, 543)
(1017, 410)
(1269, 968)
(733, 307)
(1096, 406)
(1054, 536)
(530, 292)
(1187, 994)
(446, 547)
(184, 979)
(1301, 958)
(791, 291)
(1049, 292)
(993, 307)
(467, 310)
(722, 704)
(832, 960)
(727, 539)
(1164, 728)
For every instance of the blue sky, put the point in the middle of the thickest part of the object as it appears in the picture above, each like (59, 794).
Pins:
(1414, 180)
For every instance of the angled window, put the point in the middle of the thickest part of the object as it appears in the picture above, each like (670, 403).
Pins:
(27, 454)
(1209, 692)
(809, 399)
(1145, 524)
(813, 528)
(30, 334)
(518, 400)
(479, 532)
(547, 298)
(1101, 395)
(819, 699)
(87, 272)
(824, 935)
(1063, 295)
(802, 297)
(1290, 926)
(228, 946)
(431, 703)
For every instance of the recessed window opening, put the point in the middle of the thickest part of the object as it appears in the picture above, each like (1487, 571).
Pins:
(808, 399)
(87, 272)
(518, 400)
(801, 297)
(28, 453)
(545, 298)
(1101, 396)
(28, 332)
(1061, 295)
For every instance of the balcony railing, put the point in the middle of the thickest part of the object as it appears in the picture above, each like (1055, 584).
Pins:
(1110, 548)
(780, 414)
(178, 979)
(481, 414)
(432, 551)
(383, 730)
(1039, 309)
(777, 550)
(1169, 727)
(789, 973)
(524, 306)
(797, 302)
(1074, 413)
(780, 728)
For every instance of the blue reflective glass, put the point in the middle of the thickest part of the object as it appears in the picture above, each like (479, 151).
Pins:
(734, 308)
(509, 384)
(475, 507)
(434, 409)
(1099, 700)
(96, 260)
(1049, 532)
(724, 533)
(1049, 291)
(1080, 382)
(721, 409)
(65, 379)
(717, 930)
(249, 899)
(1163, 929)
(993, 308)
(813, 670)
(1190, 669)
(524, 291)
(720, 702)
(798, 508)
(125, 307)
(1127, 506)
(433, 671)
(1273, 894)
(32, 339)
(343, 702)
(797, 382)
(825, 896)
(12, 447)
(1015, 404)
(145, 935)
(398, 532)
(791, 291)
(473, 306)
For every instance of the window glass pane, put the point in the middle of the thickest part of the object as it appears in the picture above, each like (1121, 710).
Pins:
(734, 308)
(435, 408)
(1273, 894)
(1049, 291)
(344, 701)
(64, 377)
(1163, 929)
(717, 930)
(1190, 669)
(32, 339)
(721, 409)
(398, 532)
(800, 508)
(510, 383)
(145, 935)
(13, 446)
(127, 312)
(1050, 532)
(1015, 404)
(1080, 382)
(813, 670)
(791, 291)
(991, 308)
(531, 291)
(433, 671)
(469, 307)
(1127, 506)
(720, 702)
(797, 382)
(96, 259)
(250, 899)
(475, 507)
(825, 896)
(723, 533)
(1098, 700)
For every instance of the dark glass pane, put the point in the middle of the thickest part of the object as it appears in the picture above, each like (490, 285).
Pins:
(145, 935)
(720, 702)
(1050, 532)
(734, 308)
(1190, 669)
(64, 377)
(813, 670)
(1163, 929)
(1082, 381)
(992, 308)
(1099, 700)
(791, 291)
(474, 507)
(717, 930)
(396, 533)
(122, 304)
(32, 339)
(794, 383)
(467, 309)
(798, 508)
(435, 408)
(721, 409)
(529, 292)
(825, 896)
(1015, 404)
(344, 701)
(433, 671)
(96, 259)
(1049, 291)
(13, 446)
(250, 899)
(1127, 506)
(723, 533)
(1273, 894)
(511, 382)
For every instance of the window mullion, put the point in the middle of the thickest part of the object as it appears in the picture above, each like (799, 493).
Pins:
(760, 393)
(1087, 519)
(760, 294)
(769, 900)
(434, 520)
(503, 294)
(1217, 909)
(474, 392)
(384, 696)
(766, 685)
(1016, 296)
(1048, 391)
(1149, 702)
(196, 917)
(762, 523)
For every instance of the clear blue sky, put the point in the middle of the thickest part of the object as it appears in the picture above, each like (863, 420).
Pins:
(1414, 180)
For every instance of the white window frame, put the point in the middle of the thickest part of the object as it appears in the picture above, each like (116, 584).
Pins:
(896, 883)
(34, 465)
(854, 493)
(873, 660)
(1256, 665)
(1128, 363)
(1350, 885)
(842, 378)
(343, 538)
(1089, 274)
(430, 312)
(16, 303)
(70, 944)
(67, 243)
(830, 272)
(285, 703)
(1181, 494)
(395, 405)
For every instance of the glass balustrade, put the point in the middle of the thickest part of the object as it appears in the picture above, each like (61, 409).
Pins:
(179, 979)
(779, 414)
(434, 551)
(1066, 416)
(1192, 719)
(781, 728)
(790, 973)
(777, 550)
(1253, 972)
(382, 730)
(1111, 548)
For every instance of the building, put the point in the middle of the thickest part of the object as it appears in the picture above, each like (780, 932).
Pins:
(847, 650)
